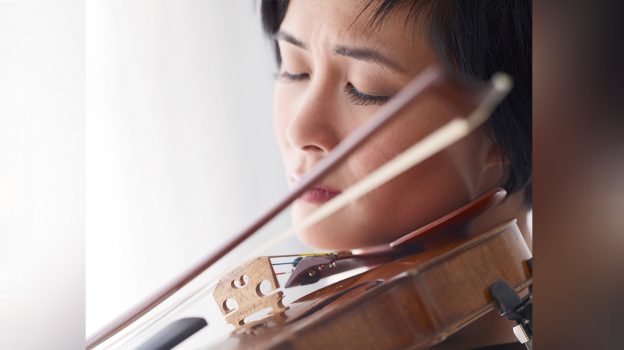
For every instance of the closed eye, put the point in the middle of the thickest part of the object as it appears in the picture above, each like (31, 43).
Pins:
(362, 99)
(293, 77)
(357, 97)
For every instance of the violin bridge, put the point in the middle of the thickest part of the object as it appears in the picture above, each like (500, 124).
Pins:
(239, 293)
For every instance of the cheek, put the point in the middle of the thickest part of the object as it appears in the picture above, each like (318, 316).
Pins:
(454, 169)
(390, 142)
(454, 163)
(420, 195)
(281, 108)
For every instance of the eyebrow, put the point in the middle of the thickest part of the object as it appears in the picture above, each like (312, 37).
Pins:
(285, 36)
(368, 55)
(359, 53)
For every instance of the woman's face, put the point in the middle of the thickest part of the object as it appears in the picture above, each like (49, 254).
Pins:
(336, 72)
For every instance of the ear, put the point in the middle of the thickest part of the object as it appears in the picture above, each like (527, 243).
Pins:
(496, 156)
(496, 165)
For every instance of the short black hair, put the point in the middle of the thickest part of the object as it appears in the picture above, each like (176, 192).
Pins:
(477, 38)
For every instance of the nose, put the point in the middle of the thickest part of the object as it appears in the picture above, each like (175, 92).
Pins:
(313, 127)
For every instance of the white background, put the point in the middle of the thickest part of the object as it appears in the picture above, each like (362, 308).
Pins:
(41, 174)
(179, 140)
(135, 137)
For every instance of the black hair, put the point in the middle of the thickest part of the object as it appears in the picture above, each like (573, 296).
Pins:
(477, 38)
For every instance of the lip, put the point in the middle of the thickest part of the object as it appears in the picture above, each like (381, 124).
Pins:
(318, 194)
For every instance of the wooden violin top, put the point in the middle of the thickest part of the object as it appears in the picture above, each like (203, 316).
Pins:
(412, 302)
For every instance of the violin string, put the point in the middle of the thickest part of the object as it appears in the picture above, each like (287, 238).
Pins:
(149, 323)
(191, 300)
(431, 144)
(299, 255)
(285, 263)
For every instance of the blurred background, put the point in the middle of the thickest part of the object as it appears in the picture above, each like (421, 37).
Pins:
(42, 174)
(136, 137)
(179, 141)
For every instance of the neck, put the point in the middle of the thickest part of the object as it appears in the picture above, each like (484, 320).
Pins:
(512, 207)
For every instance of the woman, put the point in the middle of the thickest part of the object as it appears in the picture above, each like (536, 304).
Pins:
(340, 61)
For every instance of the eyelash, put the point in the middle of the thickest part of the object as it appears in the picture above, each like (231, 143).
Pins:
(362, 99)
(357, 97)
(294, 77)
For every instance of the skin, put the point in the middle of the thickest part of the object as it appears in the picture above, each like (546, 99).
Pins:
(313, 113)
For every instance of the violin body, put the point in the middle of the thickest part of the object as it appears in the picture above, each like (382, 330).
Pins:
(413, 302)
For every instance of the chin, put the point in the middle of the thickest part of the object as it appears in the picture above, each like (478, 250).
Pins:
(328, 234)
(315, 239)
(326, 239)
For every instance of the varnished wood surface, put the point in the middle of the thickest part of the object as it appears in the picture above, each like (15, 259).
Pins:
(411, 303)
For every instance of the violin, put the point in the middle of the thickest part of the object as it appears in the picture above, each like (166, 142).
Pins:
(416, 291)
(414, 301)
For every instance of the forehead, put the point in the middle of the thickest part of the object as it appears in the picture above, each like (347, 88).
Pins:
(322, 25)
(337, 19)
